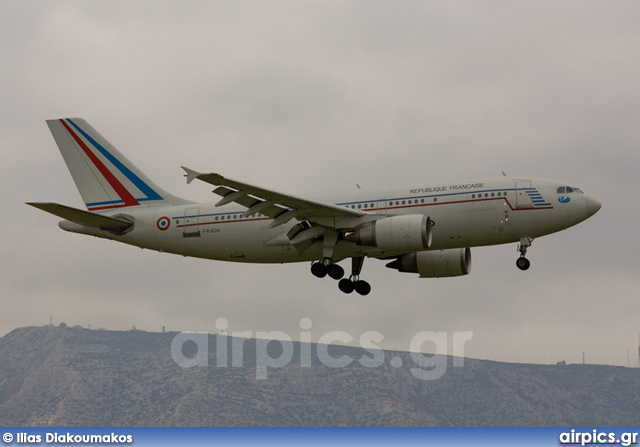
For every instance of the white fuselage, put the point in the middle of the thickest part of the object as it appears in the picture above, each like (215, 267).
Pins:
(470, 213)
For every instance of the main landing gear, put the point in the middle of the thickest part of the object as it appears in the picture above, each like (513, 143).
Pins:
(354, 282)
(323, 268)
(523, 263)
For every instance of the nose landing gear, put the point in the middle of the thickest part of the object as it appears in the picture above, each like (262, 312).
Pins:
(523, 263)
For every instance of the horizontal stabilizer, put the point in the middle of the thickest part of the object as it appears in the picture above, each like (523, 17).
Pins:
(85, 218)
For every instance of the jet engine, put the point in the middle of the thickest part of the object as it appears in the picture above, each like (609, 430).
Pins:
(398, 233)
(435, 264)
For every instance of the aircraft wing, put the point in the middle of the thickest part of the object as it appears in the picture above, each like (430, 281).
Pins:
(279, 206)
(86, 218)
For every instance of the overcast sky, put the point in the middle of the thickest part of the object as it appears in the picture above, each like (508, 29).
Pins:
(309, 96)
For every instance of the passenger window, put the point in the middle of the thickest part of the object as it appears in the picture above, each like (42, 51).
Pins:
(560, 190)
(569, 189)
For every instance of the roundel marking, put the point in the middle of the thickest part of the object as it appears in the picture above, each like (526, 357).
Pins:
(163, 223)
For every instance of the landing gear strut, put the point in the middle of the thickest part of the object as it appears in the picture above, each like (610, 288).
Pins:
(326, 267)
(354, 282)
(523, 263)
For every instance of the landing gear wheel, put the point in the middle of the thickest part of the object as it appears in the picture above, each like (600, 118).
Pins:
(362, 287)
(335, 271)
(319, 270)
(353, 282)
(346, 285)
(523, 263)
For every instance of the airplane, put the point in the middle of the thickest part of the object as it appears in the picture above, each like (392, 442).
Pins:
(426, 229)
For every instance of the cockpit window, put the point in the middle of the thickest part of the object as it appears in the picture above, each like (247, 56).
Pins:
(568, 190)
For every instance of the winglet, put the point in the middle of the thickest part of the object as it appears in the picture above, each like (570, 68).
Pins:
(191, 175)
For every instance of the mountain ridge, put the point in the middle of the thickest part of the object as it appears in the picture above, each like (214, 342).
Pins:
(71, 376)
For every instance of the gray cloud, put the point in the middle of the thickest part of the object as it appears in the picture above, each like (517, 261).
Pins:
(306, 97)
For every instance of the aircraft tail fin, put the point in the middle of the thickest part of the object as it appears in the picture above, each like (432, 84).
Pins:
(105, 178)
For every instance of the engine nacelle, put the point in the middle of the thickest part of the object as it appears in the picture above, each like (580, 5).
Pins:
(435, 264)
(411, 232)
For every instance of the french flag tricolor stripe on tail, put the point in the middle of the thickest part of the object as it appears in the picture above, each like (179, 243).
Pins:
(127, 199)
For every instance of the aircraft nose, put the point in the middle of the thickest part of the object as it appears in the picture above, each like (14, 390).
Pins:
(592, 206)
